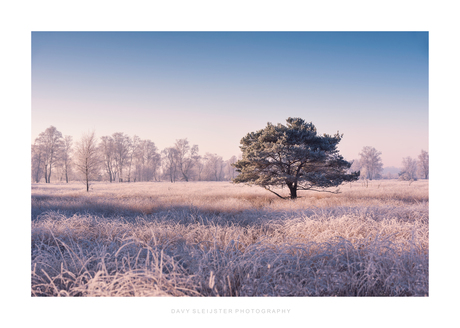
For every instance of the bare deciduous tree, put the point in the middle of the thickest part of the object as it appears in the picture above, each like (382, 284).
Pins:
(153, 161)
(213, 167)
(66, 156)
(423, 164)
(371, 163)
(230, 169)
(355, 166)
(87, 160)
(132, 149)
(146, 161)
(37, 162)
(107, 151)
(409, 169)
(50, 142)
(200, 163)
(121, 150)
(186, 157)
(169, 161)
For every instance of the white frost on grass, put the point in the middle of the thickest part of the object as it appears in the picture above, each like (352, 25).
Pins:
(162, 239)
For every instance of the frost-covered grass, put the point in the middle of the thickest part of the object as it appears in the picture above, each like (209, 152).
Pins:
(220, 239)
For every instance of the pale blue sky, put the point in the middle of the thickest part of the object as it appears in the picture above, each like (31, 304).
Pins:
(214, 87)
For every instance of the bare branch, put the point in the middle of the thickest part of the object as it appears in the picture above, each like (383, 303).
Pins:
(275, 193)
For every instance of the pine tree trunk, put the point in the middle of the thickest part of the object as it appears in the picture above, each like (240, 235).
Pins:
(292, 189)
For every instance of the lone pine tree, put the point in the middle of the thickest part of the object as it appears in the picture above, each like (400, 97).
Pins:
(294, 156)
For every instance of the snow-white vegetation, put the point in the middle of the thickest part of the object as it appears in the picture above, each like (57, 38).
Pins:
(221, 239)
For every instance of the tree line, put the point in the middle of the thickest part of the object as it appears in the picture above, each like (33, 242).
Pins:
(293, 155)
(121, 158)
(371, 167)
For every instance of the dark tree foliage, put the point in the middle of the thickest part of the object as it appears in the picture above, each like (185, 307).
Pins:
(294, 156)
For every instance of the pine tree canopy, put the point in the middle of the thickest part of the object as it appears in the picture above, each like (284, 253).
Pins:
(294, 156)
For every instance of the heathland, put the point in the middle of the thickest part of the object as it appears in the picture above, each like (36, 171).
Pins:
(222, 239)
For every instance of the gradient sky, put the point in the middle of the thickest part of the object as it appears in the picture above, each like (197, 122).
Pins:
(215, 87)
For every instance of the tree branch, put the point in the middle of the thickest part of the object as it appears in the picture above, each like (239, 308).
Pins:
(275, 193)
(332, 192)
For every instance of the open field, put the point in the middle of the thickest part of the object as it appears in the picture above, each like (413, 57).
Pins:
(220, 239)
